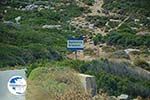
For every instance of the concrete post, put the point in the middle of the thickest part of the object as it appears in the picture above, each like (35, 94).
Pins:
(88, 83)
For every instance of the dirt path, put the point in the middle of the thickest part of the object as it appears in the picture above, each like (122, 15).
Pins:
(97, 8)
(81, 23)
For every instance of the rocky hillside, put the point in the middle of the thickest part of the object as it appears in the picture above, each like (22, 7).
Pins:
(30, 27)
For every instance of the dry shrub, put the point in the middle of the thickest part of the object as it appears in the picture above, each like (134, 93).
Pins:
(108, 49)
(141, 63)
(74, 95)
(54, 84)
(120, 54)
(35, 92)
(102, 97)
(89, 51)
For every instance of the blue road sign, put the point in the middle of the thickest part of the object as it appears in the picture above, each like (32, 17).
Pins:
(75, 44)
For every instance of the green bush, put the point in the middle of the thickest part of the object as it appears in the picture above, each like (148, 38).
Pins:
(108, 49)
(98, 21)
(141, 63)
(98, 38)
(30, 42)
(89, 51)
(10, 55)
(120, 54)
(116, 78)
(116, 85)
(127, 39)
(125, 28)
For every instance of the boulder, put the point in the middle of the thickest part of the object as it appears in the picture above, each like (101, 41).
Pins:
(123, 97)
(112, 98)
(51, 26)
(91, 26)
(148, 18)
(131, 50)
(30, 7)
(136, 20)
(17, 19)
(143, 33)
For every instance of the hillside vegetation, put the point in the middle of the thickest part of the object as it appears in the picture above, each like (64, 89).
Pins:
(34, 33)
(27, 41)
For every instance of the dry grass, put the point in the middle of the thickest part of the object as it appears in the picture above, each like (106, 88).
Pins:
(74, 95)
(55, 84)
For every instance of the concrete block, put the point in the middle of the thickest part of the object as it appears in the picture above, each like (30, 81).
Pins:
(88, 83)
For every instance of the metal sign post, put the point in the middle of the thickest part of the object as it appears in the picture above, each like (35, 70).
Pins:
(76, 55)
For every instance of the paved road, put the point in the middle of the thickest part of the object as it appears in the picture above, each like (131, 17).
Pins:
(4, 77)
